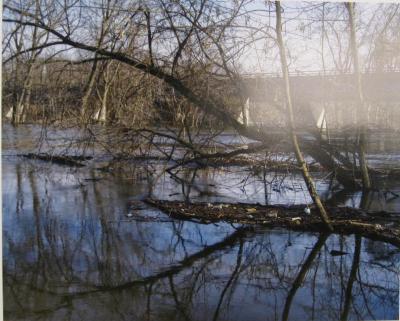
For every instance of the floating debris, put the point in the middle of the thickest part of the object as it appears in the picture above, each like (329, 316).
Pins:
(345, 220)
(272, 213)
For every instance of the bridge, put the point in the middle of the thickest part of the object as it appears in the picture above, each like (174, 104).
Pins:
(317, 86)
(314, 92)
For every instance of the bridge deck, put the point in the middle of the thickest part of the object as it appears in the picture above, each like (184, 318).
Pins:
(383, 87)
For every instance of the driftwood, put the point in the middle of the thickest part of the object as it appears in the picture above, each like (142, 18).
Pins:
(68, 160)
(381, 226)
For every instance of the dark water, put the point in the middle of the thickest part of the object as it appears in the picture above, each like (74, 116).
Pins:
(72, 253)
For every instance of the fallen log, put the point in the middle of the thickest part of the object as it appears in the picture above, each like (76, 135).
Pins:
(68, 160)
(257, 165)
(382, 226)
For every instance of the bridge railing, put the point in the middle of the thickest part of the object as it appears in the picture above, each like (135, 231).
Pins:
(299, 73)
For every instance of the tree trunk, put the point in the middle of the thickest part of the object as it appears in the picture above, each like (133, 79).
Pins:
(23, 100)
(109, 77)
(361, 112)
(16, 109)
(89, 88)
(103, 110)
(300, 159)
(95, 70)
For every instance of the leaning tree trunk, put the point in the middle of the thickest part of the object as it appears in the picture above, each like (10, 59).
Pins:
(361, 119)
(300, 159)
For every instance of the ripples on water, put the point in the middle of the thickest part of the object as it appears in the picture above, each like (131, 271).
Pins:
(72, 253)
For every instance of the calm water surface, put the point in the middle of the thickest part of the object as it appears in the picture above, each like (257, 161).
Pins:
(72, 252)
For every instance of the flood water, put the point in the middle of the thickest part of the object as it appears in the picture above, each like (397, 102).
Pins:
(72, 252)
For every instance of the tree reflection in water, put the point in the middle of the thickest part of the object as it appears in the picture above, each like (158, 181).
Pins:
(70, 253)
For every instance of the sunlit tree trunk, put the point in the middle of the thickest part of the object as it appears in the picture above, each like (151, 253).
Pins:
(361, 112)
(24, 98)
(17, 109)
(103, 110)
(109, 77)
(300, 159)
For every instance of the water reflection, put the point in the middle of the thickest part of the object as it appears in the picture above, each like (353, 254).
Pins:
(72, 253)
